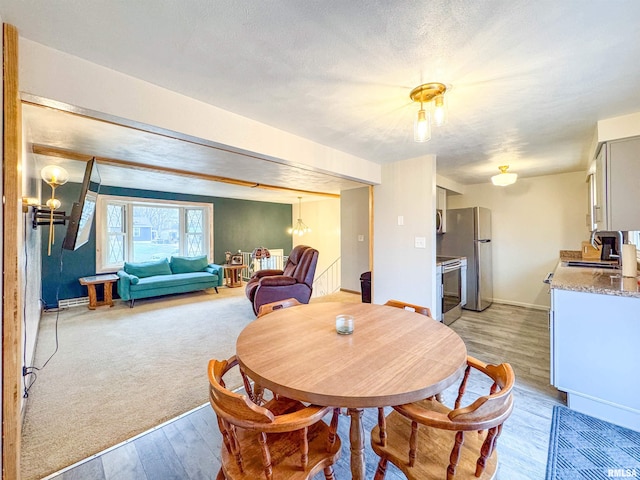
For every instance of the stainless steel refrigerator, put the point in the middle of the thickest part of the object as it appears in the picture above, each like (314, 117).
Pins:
(469, 235)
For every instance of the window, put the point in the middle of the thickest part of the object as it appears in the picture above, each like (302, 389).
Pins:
(141, 230)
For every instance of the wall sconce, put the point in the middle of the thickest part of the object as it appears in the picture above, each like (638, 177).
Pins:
(428, 93)
(503, 178)
(301, 228)
(54, 176)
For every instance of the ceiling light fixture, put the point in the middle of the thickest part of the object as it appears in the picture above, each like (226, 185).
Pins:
(503, 178)
(428, 93)
(301, 228)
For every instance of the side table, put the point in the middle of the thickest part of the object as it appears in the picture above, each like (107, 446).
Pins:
(107, 282)
(232, 277)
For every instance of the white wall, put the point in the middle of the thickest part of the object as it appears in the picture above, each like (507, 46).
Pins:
(400, 270)
(532, 221)
(354, 220)
(323, 217)
(31, 256)
(62, 77)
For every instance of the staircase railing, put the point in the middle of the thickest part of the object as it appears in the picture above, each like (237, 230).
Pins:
(328, 281)
(276, 261)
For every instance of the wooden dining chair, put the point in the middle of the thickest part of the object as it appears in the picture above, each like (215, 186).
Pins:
(270, 307)
(283, 439)
(408, 306)
(428, 440)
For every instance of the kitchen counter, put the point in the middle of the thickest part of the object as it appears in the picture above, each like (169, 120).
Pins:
(594, 331)
(594, 280)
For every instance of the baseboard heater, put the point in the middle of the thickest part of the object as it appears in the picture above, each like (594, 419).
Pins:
(73, 302)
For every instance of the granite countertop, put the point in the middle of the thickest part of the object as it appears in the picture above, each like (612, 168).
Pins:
(593, 280)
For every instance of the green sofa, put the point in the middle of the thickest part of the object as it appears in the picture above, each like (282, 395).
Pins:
(182, 274)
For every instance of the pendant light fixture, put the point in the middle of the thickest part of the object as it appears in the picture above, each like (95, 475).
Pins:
(300, 228)
(431, 94)
(504, 178)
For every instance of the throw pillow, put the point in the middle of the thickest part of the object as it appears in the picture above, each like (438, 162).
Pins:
(189, 264)
(148, 269)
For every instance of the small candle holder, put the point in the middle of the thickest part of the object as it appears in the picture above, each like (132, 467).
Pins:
(344, 324)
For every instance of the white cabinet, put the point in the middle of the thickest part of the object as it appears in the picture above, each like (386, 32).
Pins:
(591, 202)
(594, 344)
(441, 206)
(617, 185)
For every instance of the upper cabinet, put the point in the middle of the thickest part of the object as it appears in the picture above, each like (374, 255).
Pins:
(591, 202)
(441, 213)
(617, 186)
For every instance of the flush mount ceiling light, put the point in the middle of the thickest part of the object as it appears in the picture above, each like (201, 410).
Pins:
(503, 178)
(433, 95)
(300, 228)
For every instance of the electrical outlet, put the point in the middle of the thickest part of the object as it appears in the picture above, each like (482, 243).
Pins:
(361, 238)
(421, 242)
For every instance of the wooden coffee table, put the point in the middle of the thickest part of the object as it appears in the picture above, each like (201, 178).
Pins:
(107, 282)
(393, 357)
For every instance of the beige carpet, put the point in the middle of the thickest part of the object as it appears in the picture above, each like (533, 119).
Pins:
(120, 371)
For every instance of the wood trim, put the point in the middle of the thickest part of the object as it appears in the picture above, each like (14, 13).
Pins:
(71, 155)
(11, 281)
(371, 239)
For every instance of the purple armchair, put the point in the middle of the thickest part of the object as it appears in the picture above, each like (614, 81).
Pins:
(295, 281)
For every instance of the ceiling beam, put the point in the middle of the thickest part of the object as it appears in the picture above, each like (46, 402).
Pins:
(71, 155)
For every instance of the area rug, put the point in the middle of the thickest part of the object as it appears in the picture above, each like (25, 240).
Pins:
(583, 447)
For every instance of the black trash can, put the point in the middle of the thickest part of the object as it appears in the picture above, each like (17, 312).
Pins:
(365, 286)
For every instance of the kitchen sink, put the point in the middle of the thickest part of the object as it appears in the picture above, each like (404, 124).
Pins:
(582, 263)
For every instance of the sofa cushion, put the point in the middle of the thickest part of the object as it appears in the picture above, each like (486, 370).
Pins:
(148, 269)
(189, 264)
(176, 280)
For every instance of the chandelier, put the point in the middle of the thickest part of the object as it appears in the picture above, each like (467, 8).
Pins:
(300, 228)
(433, 95)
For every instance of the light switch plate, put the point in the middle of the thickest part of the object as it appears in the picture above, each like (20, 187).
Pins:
(421, 242)
(361, 238)
(400, 220)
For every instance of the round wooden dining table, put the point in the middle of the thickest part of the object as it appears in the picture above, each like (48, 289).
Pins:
(393, 357)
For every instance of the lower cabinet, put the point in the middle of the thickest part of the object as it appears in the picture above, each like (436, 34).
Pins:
(594, 354)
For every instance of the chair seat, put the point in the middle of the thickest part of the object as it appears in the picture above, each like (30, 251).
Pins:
(285, 456)
(282, 439)
(433, 452)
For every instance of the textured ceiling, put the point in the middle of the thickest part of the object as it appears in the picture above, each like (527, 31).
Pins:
(528, 80)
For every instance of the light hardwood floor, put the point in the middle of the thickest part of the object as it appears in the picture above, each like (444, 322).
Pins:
(188, 448)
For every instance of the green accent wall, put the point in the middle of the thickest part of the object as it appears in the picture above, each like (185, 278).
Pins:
(237, 225)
